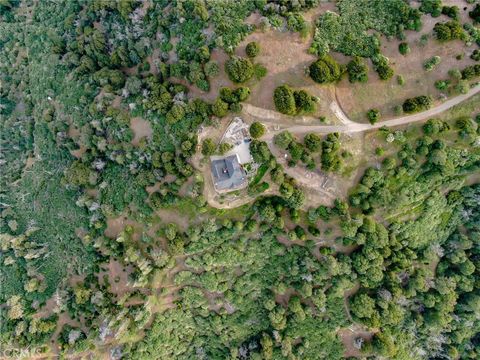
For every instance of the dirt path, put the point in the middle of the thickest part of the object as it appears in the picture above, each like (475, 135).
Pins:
(350, 126)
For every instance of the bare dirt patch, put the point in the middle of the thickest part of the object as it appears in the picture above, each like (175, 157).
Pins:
(141, 129)
(348, 337)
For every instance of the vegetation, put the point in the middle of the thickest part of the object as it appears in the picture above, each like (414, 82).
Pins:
(257, 130)
(357, 70)
(108, 244)
(450, 30)
(416, 104)
(325, 70)
(239, 69)
(252, 49)
(292, 102)
(373, 115)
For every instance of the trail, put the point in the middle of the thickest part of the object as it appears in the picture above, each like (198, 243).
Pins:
(350, 126)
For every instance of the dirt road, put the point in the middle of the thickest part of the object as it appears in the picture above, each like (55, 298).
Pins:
(269, 116)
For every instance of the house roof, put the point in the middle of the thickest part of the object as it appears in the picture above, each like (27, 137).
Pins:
(227, 173)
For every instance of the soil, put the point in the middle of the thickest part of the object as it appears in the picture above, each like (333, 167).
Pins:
(348, 337)
(141, 129)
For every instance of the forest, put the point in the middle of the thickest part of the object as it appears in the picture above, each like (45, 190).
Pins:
(110, 243)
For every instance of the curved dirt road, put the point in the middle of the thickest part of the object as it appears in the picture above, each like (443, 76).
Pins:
(352, 127)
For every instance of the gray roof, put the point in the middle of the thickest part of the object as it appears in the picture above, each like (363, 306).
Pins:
(228, 173)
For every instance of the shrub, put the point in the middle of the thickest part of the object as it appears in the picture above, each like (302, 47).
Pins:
(219, 108)
(259, 70)
(325, 70)
(252, 49)
(224, 147)
(432, 7)
(239, 69)
(373, 115)
(304, 102)
(416, 104)
(284, 100)
(283, 139)
(450, 30)
(431, 63)
(475, 55)
(403, 48)
(400, 80)
(451, 11)
(211, 68)
(242, 93)
(475, 13)
(226, 94)
(455, 74)
(257, 130)
(291, 102)
(381, 66)
(357, 70)
(208, 147)
(312, 142)
(442, 84)
(471, 72)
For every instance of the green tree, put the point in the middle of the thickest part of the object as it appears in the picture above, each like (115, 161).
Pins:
(257, 130)
(239, 69)
(252, 49)
(284, 100)
(208, 147)
(325, 70)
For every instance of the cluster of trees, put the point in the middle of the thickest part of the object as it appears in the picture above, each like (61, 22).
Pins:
(347, 30)
(293, 102)
(357, 70)
(418, 103)
(325, 70)
(330, 159)
(450, 30)
(382, 67)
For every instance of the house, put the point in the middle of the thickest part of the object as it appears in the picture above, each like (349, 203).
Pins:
(228, 174)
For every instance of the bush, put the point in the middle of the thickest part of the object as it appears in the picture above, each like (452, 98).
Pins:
(416, 104)
(403, 48)
(219, 108)
(211, 68)
(257, 130)
(208, 147)
(284, 100)
(475, 13)
(312, 142)
(283, 139)
(451, 12)
(304, 102)
(259, 70)
(471, 72)
(442, 84)
(357, 70)
(239, 69)
(432, 7)
(252, 49)
(381, 66)
(431, 63)
(450, 30)
(373, 115)
(475, 55)
(325, 70)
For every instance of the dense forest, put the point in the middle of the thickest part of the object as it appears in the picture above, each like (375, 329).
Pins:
(110, 245)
